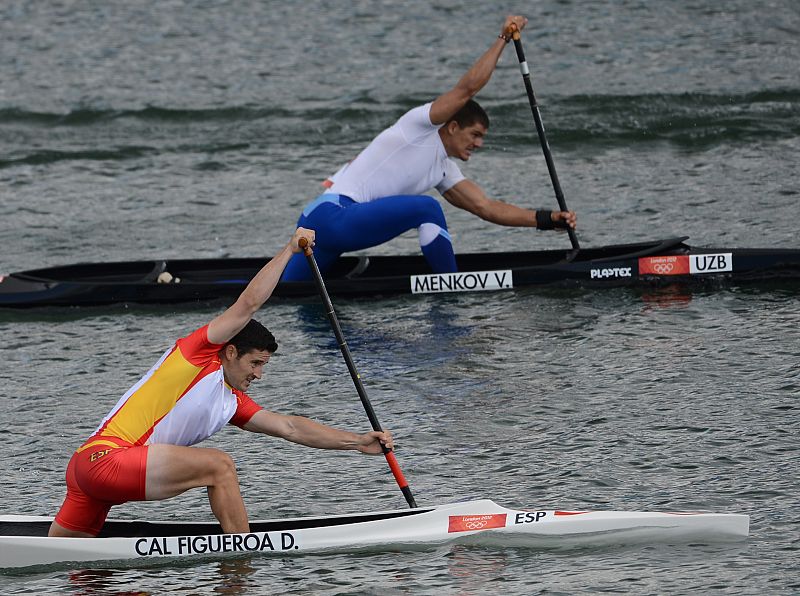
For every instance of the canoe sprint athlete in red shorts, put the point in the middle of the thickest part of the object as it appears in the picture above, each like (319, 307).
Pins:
(144, 448)
(111, 472)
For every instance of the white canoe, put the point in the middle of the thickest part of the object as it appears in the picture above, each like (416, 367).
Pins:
(23, 540)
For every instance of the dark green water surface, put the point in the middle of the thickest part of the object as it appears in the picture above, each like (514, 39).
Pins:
(185, 128)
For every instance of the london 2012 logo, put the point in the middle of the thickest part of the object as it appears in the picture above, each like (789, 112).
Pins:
(471, 523)
(671, 265)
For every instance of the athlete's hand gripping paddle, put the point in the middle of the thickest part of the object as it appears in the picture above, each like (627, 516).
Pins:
(362, 393)
(514, 32)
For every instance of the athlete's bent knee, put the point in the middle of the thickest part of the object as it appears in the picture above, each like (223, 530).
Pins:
(223, 469)
(428, 209)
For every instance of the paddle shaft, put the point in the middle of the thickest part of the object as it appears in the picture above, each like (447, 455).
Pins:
(537, 118)
(362, 393)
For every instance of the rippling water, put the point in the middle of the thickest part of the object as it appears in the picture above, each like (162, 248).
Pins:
(175, 129)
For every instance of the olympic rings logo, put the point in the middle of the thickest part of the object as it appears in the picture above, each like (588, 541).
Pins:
(663, 268)
(475, 525)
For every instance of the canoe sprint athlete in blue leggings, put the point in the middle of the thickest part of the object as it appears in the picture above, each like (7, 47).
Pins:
(378, 195)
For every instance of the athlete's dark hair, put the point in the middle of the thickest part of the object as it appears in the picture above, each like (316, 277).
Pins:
(254, 336)
(470, 114)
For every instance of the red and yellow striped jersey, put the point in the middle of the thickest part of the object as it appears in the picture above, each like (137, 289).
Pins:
(182, 400)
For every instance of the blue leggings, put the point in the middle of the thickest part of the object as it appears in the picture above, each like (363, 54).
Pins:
(342, 225)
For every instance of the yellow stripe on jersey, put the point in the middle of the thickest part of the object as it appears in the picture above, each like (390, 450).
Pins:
(153, 400)
(102, 442)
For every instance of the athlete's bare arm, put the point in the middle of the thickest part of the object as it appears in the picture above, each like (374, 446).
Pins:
(474, 79)
(305, 431)
(469, 196)
(260, 288)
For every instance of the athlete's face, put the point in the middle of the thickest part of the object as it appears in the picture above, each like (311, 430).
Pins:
(463, 141)
(242, 370)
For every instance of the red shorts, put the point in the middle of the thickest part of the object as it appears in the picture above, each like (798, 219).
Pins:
(103, 472)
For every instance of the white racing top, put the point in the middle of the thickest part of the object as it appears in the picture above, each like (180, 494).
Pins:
(407, 158)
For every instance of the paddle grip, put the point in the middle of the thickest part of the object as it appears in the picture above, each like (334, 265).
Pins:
(303, 243)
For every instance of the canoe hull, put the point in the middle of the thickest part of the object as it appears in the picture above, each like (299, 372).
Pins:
(663, 262)
(482, 522)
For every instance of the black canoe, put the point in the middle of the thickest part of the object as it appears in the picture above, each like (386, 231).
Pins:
(202, 280)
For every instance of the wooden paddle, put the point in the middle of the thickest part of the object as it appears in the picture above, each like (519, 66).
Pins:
(362, 393)
(537, 119)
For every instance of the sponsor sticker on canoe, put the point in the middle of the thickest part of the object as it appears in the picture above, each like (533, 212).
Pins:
(467, 281)
(671, 265)
(686, 264)
(610, 272)
(470, 523)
